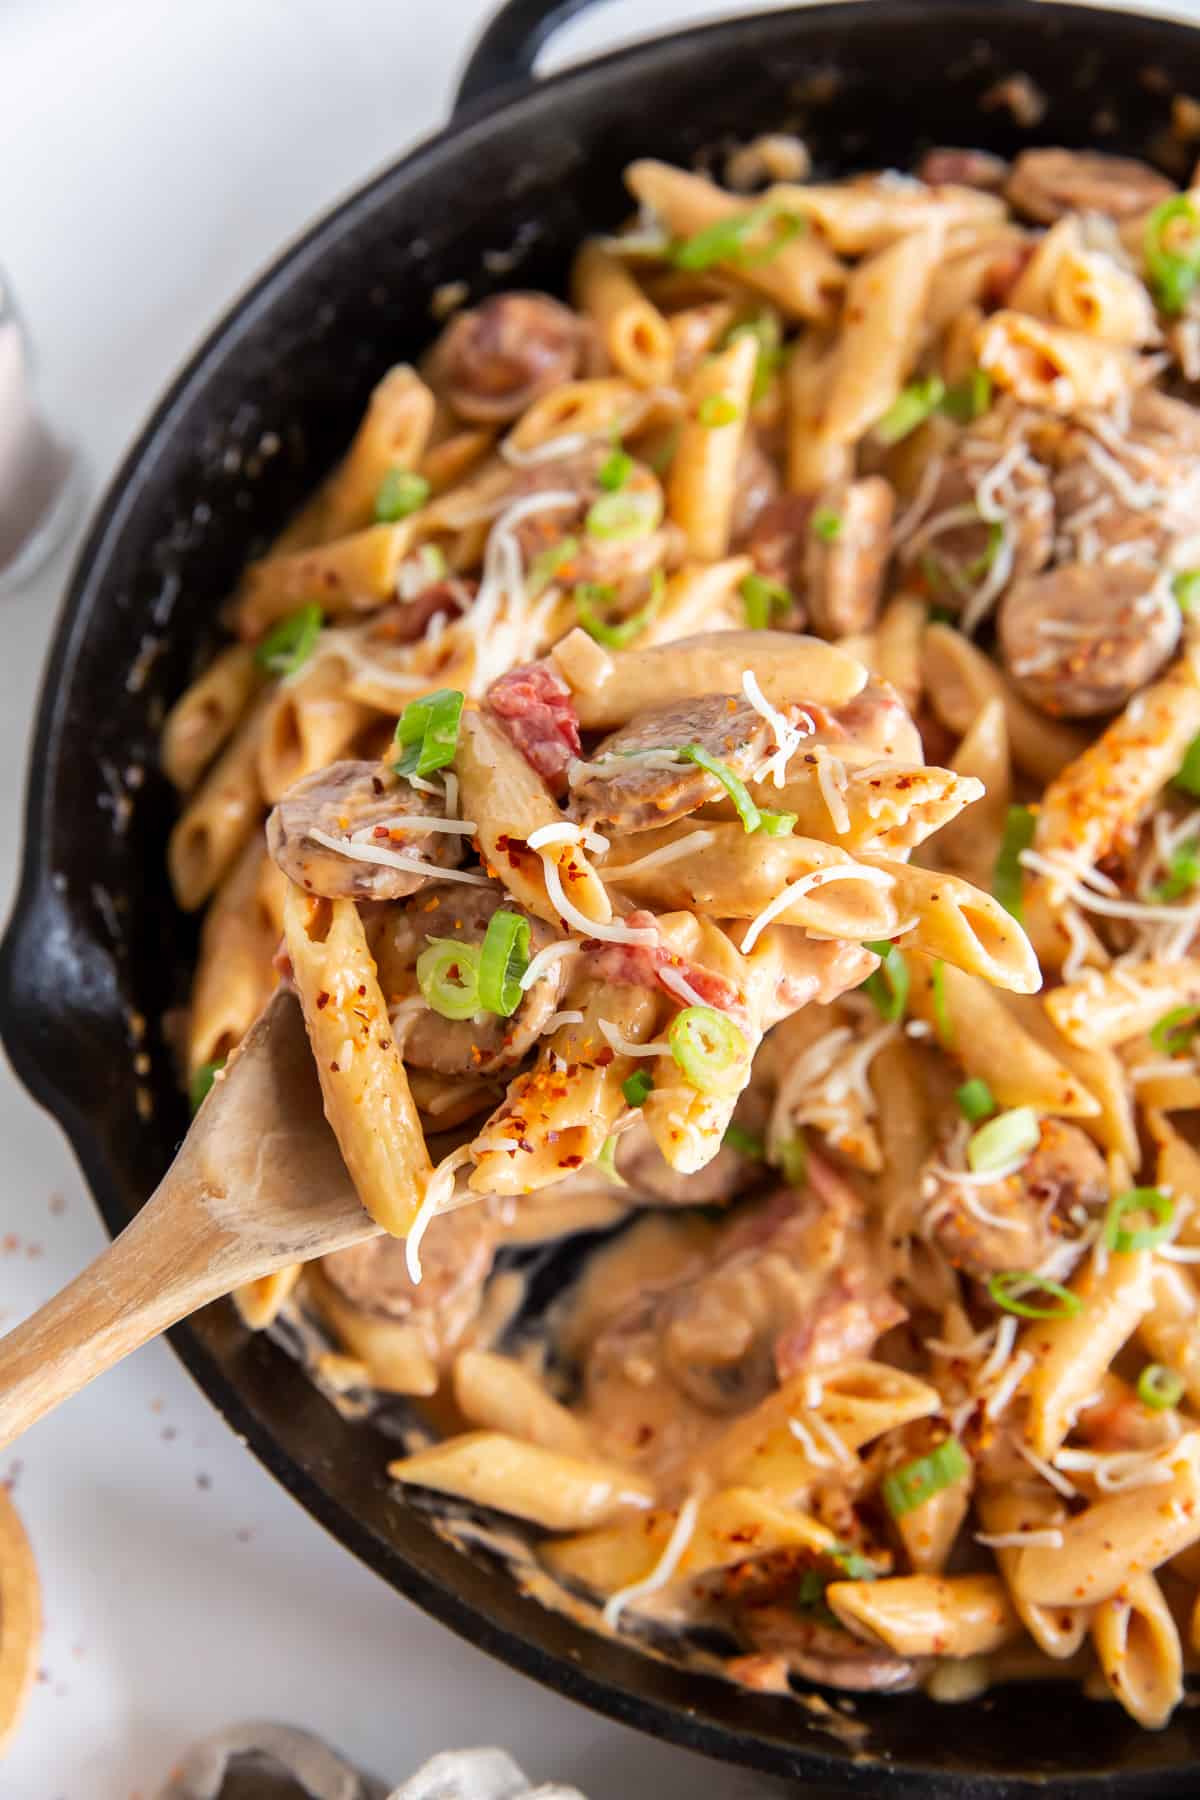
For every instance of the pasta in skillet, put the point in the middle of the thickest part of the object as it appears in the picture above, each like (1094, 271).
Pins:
(729, 752)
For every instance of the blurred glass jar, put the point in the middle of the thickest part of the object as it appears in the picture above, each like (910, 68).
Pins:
(40, 482)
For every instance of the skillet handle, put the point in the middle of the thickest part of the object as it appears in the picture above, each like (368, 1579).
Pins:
(507, 49)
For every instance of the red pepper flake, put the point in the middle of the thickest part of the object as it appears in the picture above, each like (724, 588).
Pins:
(570, 1162)
(322, 1000)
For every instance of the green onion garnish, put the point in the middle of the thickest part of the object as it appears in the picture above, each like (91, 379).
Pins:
(503, 959)
(827, 524)
(615, 470)
(1011, 1286)
(427, 732)
(734, 786)
(606, 1160)
(547, 563)
(968, 399)
(617, 633)
(401, 492)
(976, 1101)
(1187, 780)
(637, 1087)
(1003, 1140)
(776, 824)
(726, 241)
(1186, 588)
(978, 567)
(911, 1485)
(911, 407)
(1183, 872)
(1174, 1032)
(942, 615)
(888, 987)
(791, 1159)
(631, 513)
(448, 977)
(1007, 876)
(746, 1143)
(708, 1048)
(943, 1023)
(1159, 1387)
(1150, 1200)
(1172, 256)
(717, 409)
(769, 336)
(202, 1081)
(761, 598)
(289, 646)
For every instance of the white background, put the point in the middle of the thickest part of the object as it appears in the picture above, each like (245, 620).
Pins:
(153, 156)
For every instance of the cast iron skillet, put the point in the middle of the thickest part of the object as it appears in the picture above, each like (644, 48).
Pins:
(96, 952)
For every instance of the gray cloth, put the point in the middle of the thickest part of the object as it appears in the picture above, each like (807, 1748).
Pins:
(261, 1761)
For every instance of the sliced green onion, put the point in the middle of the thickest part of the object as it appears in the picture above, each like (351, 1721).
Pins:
(637, 1087)
(503, 959)
(766, 330)
(791, 1159)
(733, 784)
(717, 409)
(616, 634)
(1187, 780)
(1175, 1030)
(776, 824)
(289, 646)
(726, 241)
(1183, 872)
(401, 492)
(888, 987)
(433, 560)
(761, 598)
(661, 458)
(1150, 1200)
(631, 513)
(427, 732)
(942, 615)
(853, 1566)
(911, 407)
(708, 1048)
(1159, 1387)
(606, 1160)
(1009, 1289)
(448, 977)
(615, 470)
(547, 563)
(1186, 588)
(827, 524)
(202, 1081)
(943, 1023)
(911, 1485)
(1003, 1139)
(1172, 267)
(976, 1101)
(968, 399)
(1007, 876)
(746, 1143)
(978, 567)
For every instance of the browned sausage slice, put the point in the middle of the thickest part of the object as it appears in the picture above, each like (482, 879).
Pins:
(1081, 640)
(633, 790)
(502, 355)
(482, 1045)
(963, 168)
(358, 803)
(1066, 1170)
(1047, 184)
(846, 555)
(456, 1254)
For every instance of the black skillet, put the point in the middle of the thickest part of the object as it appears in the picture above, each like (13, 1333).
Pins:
(96, 951)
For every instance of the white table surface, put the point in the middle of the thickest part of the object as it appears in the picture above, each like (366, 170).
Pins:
(153, 155)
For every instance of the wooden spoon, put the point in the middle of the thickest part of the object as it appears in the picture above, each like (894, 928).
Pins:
(258, 1183)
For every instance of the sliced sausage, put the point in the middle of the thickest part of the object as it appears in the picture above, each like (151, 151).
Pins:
(407, 621)
(589, 554)
(755, 486)
(963, 168)
(778, 543)
(498, 358)
(359, 804)
(535, 709)
(817, 1651)
(846, 555)
(1065, 1171)
(876, 721)
(1081, 640)
(634, 790)
(641, 1163)
(1047, 184)
(482, 1045)
(846, 1323)
(955, 547)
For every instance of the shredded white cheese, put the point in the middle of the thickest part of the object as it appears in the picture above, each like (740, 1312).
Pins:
(788, 737)
(795, 890)
(672, 1555)
(566, 833)
(570, 1016)
(391, 859)
(439, 1191)
(1047, 1539)
(679, 985)
(546, 959)
(1048, 1472)
(820, 1459)
(628, 1046)
(1117, 1471)
(666, 853)
(613, 932)
(832, 779)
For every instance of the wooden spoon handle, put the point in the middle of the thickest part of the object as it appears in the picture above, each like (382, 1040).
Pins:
(165, 1264)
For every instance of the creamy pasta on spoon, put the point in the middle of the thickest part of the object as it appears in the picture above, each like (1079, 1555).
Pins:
(718, 762)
